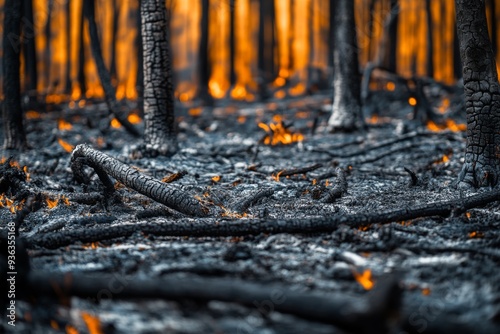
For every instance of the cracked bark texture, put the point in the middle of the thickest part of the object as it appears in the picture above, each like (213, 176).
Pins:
(104, 75)
(168, 195)
(14, 134)
(482, 96)
(346, 113)
(159, 119)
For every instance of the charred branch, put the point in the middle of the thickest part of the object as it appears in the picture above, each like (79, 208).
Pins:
(255, 227)
(105, 165)
(247, 202)
(339, 188)
(356, 315)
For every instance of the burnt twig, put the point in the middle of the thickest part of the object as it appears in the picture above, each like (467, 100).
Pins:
(303, 170)
(155, 189)
(339, 188)
(243, 205)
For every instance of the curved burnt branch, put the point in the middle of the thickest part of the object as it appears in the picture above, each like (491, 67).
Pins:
(155, 189)
(202, 228)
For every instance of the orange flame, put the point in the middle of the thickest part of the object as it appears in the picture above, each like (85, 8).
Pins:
(216, 178)
(115, 124)
(51, 203)
(449, 125)
(365, 279)
(65, 145)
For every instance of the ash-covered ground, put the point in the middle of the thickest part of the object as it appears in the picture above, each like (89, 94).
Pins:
(447, 266)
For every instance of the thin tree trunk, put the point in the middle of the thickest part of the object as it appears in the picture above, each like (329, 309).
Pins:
(232, 43)
(430, 40)
(112, 67)
(493, 26)
(104, 76)
(482, 96)
(139, 81)
(82, 80)
(346, 114)
(203, 62)
(160, 130)
(393, 37)
(371, 10)
(67, 88)
(30, 70)
(266, 46)
(48, 48)
(14, 135)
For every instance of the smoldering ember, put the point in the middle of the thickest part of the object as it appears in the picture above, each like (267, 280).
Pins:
(250, 166)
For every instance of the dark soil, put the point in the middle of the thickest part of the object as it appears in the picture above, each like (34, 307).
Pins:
(447, 266)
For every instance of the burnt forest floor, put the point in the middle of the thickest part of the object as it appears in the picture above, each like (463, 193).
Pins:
(447, 267)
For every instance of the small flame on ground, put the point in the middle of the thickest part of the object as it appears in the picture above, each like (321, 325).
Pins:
(63, 125)
(93, 323)
(365, 279)
(92, 245)
(276, 177)
(51, 203)
(277, 134)
(65, 145)
(468, 215)
(25, 170)
(134, 119)
(449, 125)
(476, 234)
(71, 330)
(216, 178)
(444, 159)
(8, 203)
(412, 101)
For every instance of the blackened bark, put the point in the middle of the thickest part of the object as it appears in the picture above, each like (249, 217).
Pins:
(159, 191)
(30, 74)
(203, 61)
(82, 81)
(139, 81)
(67, 88)
(430, 40)
(14, 135)
(232, 43)
(482, 96)
(159, 119)
(346, 114)
(493, 26)
(112, 67)
(266, 46)
(457, 61)
(104, 76)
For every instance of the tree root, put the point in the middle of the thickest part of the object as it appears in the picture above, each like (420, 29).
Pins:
(163, 193)
(254, 227)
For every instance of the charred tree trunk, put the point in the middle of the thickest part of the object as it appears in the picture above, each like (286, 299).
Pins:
(82, 82)
(482, 96)
(493, 26)
(430, 40)
(232, 43)
(139, 81)
(160, 133)
(393, 36)
(266, 46)
(67, 88)
(457, 61)
(30, 70)
(104, 76)
(203, 62)
(14, 135)
(112, 67)
(346, 114)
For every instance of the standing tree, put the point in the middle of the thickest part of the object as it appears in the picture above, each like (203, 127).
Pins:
(346, 113)
(482, 96)
(203, 60)
(160, 130)
(14, 135)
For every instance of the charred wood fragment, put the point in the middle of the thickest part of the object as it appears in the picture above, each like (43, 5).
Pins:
(65, 222)
(161, 192)
(413, 176)
(104, 75)
(339, 188)
(295, 171)
(255, 227)
(369, 314)
(247, 202)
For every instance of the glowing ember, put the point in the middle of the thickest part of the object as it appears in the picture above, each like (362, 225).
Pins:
(63, 125)
(277, 133)
(373, 120)
(25, 170)
(54, 324)
(51, 203)
(31, 114)
(71, 330)
(134, 118)
(426, 291)
(444, 159)
(216, 178)
(390, 86)
(195, 112)
(115, 124)
(276, 177)
(468, 215)
(412, 101)
(65, 145)
(242, 119)
(476, 235)
(365, 279)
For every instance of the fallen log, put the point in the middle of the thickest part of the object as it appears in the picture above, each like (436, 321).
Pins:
(244, 227)
(161, 192)
(372, 313)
